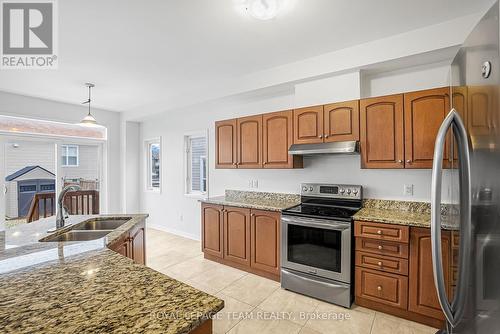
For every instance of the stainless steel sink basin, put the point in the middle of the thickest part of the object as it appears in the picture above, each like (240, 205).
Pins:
(76, 236)
(100, 224)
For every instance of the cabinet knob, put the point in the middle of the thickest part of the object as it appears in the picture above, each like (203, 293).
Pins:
(379, 264)
(400, 161)
(408, 161)
(252, 215)
(380, 247)
(235, 164)
(326, 136)
(320, 136)
(379, 232)
(265, 162)
(379, 288)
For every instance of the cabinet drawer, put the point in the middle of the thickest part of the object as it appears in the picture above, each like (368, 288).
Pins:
(382, 247)
(380, 231)
(384, 263)
(389, 289)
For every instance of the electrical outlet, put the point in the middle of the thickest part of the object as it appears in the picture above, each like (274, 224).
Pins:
(408, 190)
(250, 184)
(255, 183)
(181, 217)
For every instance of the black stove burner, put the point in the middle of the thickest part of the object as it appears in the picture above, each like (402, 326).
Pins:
(329, 212)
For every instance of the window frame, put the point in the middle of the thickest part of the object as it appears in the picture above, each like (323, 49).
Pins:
(65, 153)
(188, 191)
(148, 168)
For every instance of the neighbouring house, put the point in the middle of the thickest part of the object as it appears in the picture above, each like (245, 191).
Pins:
(31, 168)
(23, 185)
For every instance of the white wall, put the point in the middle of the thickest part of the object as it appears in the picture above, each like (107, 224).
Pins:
(132, 167)
(23, 106)
(173, 211)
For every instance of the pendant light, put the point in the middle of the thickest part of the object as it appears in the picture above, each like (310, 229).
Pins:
(89, 120)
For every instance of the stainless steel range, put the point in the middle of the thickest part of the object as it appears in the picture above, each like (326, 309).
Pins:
(316, 242)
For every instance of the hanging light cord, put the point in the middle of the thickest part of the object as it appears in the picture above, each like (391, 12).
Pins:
(88, 101)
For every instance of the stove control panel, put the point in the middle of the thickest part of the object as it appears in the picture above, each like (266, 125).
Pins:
(342, 191)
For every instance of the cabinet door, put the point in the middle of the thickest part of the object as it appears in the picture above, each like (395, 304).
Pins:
(308, 125)
(382, 139)
(138, 244)
(459, 102)
(225, 144)
(249, 147)
(237, 235)
(424, 112)
(423, 296)
(341, 121)
(277, 138)
(122, 246)
(212, 229)
(265, 241)
(481, 107)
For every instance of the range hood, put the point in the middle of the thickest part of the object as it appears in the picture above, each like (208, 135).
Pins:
(341, 147)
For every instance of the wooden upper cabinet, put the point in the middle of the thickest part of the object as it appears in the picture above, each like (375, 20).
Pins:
(382, 136)
(459, 103)
(480, 110)
(225, 144)
(237, 235)
(341, 121)
(308, 125)
(422, 292)
(249, 134)
(277, 136)
(424, 112)
(265, 241)
(212, 229)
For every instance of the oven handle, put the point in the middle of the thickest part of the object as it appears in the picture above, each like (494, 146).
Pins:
(314, 281)
(316, 223)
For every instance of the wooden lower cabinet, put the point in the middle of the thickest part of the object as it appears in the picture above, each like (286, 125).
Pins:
(237, 235)
(423, 295)
(265, 241)
(243, 238)
(382, 287)
(212, 229)
(132, 244)
(397, 277)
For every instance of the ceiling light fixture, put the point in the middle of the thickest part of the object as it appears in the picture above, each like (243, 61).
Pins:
(262, 9)
(89, 120)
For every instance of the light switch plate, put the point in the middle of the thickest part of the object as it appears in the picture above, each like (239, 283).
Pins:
(408, 190)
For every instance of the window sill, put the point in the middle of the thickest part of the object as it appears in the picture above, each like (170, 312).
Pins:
(196, 196)
(153, 191)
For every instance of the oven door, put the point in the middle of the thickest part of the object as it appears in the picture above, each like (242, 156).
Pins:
(318, 247)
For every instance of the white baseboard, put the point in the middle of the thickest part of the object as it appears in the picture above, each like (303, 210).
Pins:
(173, 231)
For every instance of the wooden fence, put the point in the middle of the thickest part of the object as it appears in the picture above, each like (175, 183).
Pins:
(82, 202)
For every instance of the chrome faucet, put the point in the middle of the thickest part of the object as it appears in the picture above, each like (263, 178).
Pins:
(62, 212)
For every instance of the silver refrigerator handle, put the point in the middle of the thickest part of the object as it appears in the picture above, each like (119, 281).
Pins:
(453, 312)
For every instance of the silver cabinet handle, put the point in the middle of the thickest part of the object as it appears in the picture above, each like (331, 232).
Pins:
(453, 312)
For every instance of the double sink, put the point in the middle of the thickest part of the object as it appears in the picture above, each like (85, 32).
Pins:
(91, 229)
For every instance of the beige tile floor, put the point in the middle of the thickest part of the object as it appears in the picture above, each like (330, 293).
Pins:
(257, 305)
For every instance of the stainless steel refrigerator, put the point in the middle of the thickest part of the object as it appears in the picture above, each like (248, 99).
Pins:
(466, 197)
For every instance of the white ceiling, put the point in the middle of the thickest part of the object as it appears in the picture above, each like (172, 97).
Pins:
(139, 52)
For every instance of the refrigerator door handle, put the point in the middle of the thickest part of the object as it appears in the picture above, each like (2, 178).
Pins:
(453, 312)
(458, 304)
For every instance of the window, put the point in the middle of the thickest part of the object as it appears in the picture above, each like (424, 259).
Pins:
(69, 155)
(153, 165)
(196, 162)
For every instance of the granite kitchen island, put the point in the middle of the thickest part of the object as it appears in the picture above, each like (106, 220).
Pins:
(85, 287)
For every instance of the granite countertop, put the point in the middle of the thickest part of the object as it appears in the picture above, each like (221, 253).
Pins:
(255, 200)
(406, 213)
(84, 287)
